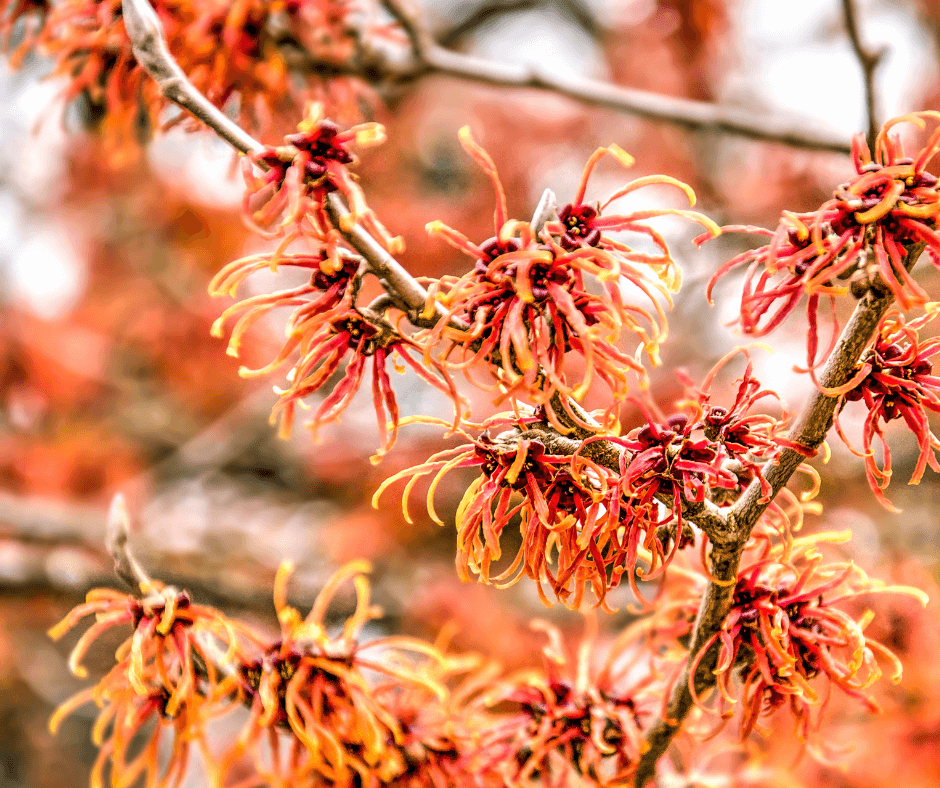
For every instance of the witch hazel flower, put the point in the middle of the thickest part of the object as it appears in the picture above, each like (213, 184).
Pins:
(585, 227)
(323, 330)
(367, 341)
(578, 723)
(862, 234)
(748, 438)
(705, 452)
(557, 501)
(788, 635)
(895, 381)
(323, 707)
(164, 685)
(667, 459)
(530, 299)
(289, 197)
(323, 692)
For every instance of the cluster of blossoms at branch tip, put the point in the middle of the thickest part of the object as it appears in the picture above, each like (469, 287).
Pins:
(243, 53)
(863, 234)
(348, 710)
(787, 627)
(163, 681)
(329, 710)
(574, 724)
(895, 380)
(326, 327)
(529, 303)
(520, 478)
(585, 524)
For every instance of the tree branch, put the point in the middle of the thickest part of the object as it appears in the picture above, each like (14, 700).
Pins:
(808, 431)
(431, 58)
(728, 535)
(117, 541)
(868, 60)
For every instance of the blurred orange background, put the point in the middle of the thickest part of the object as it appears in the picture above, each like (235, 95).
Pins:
(109, 380)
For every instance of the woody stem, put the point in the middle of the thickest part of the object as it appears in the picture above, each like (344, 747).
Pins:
(809, 431)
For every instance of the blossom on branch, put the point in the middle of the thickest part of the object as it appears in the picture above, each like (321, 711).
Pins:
(895, 380)
(530, 299)
(582, 226)
(557, 501)
(864, 233)
(574, 724)
(323, 340)
(787, 627)
(163, 682)
(315, 687)
(289, 197)
(348, 712)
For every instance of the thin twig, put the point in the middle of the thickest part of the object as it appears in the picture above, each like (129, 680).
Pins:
(395, 278)
(687, 113)
(117, 541)
(809, 431)
(393, 275)
(573, 10)
(431, 58)
(149, 44)
(868, 59)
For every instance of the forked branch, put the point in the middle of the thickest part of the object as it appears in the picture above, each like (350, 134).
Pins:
(431, 58)
(808, 431)
(728, 535)
(150, 47)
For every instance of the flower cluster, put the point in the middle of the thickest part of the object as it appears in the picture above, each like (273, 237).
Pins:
(289, 198)
(572, 724)
(863, 233)
(352, 713)
(786, 627)
(163, 680)
(705, 451)
(325, 708)
(895, 380)
(557, 500)
(315, 685)
(240, 53)
(530, 300)
(325, 328)
(585, 524)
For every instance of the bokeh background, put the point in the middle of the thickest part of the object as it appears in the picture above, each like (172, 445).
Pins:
(109, 380)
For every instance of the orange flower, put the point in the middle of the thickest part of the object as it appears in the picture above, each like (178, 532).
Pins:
(530, 298)
(787, 628)
(318, 688)
(289, 196)
(164, 680)
(323, 709)
(558, 502)
(895, 380)
(574, 725)
(863, 232)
